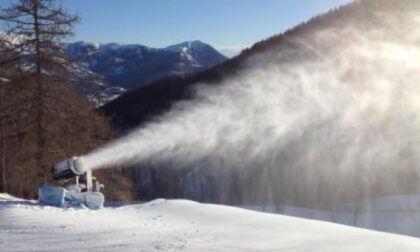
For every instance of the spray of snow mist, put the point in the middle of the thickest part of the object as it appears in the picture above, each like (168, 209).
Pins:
(339, 104)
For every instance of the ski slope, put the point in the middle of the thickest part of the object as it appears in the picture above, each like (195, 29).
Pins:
(179, 225)
(398, 214)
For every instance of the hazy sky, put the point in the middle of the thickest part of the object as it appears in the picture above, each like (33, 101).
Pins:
(225, 24)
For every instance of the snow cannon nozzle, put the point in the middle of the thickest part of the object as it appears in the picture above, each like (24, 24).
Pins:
(69, 168)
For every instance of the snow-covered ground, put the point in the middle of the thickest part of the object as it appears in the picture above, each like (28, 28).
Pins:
(395, 214)
(179, 225)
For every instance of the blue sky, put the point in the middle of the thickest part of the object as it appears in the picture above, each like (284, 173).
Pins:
(225, 24)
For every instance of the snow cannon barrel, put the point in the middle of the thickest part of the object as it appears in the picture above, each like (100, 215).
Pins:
(69, 168)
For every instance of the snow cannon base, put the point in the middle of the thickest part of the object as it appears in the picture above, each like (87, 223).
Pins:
(61, 197)
(81, 189)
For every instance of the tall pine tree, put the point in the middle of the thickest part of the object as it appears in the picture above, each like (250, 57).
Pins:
(38, 27)
(42, 120)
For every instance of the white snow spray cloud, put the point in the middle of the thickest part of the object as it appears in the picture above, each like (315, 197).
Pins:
(335, 103)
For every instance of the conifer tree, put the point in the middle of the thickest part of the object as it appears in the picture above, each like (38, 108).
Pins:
(42, 119)
(35, 30)
(34, 33)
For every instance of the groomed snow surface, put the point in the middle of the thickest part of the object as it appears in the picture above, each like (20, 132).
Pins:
(179, 225)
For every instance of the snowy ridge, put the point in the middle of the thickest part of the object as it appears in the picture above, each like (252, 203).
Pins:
(6, 196)
(119, 67)
(135, 65)
(180, 225)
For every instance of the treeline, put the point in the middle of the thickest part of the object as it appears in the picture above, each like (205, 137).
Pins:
(42, 120)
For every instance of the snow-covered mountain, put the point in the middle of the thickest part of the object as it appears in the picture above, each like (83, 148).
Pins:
(115, 68)
(131, 66)
(197, 54)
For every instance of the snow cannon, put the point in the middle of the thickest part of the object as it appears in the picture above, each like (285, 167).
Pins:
(68, 168)
(80, 188)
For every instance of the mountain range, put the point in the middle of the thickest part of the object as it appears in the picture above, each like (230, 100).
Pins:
(119, 67)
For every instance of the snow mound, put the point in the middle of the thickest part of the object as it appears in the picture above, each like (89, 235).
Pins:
(180, 225)
(6, 196)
